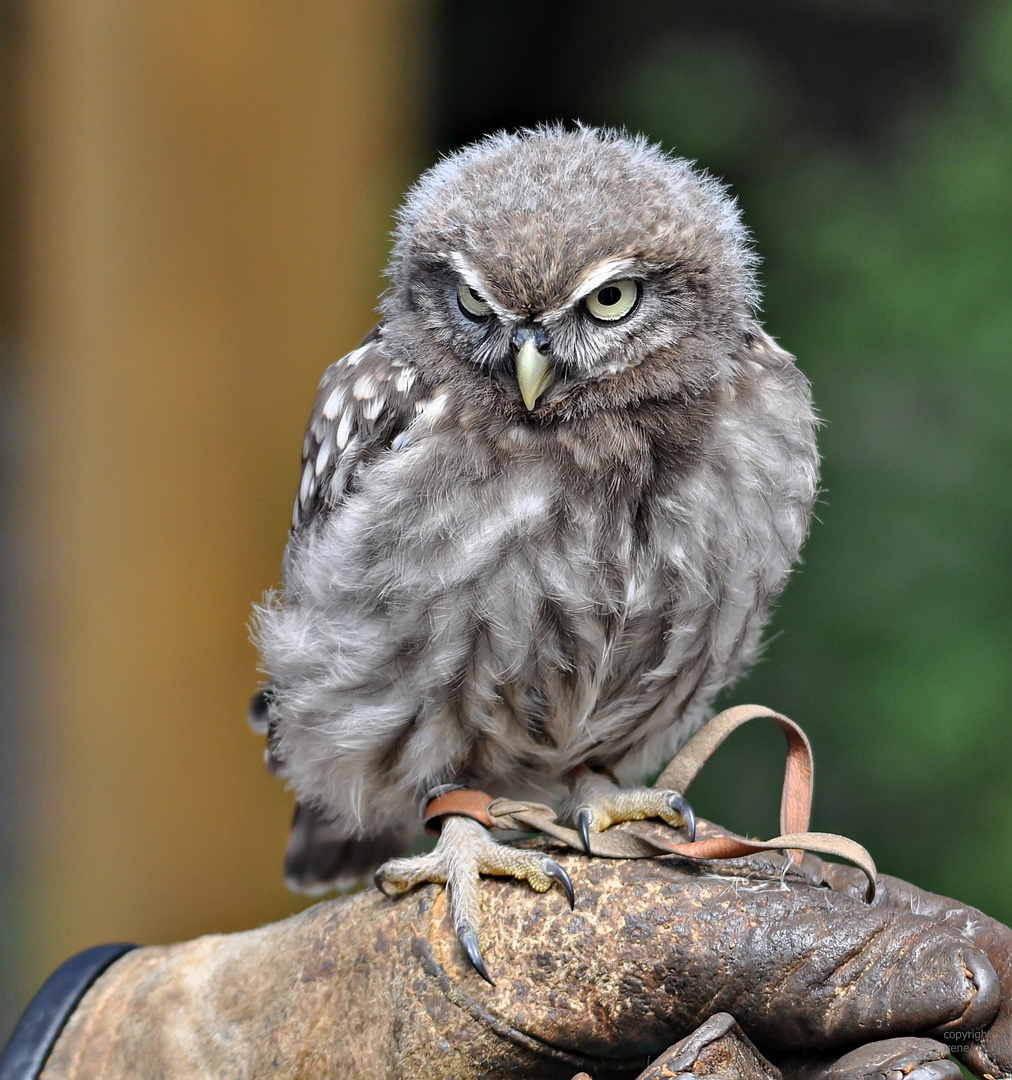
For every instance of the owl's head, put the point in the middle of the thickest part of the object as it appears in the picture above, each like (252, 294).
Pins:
(559, 271)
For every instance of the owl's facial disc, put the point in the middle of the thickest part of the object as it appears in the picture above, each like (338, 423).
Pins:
(550, 345)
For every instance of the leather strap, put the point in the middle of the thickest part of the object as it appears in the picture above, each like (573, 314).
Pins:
(799, 772)
(642, 840)
(461, 802)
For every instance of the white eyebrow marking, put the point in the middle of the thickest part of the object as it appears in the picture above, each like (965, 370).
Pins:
(596, 275)
(474, 279)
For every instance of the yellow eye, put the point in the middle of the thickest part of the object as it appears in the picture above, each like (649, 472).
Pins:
(614, 300)
(472, 303)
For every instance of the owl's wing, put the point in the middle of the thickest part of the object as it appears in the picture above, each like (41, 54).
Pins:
(365, 401)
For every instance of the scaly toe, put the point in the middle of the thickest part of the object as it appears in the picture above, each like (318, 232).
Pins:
(604, 805)
(397, 876)
(639, 804)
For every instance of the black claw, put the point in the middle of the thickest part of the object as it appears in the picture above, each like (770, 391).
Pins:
(469, 940)
(379, 881)
(584, 816)
(680, 805)
(553, 870)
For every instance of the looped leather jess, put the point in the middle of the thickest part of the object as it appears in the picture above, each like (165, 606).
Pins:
(644, 840)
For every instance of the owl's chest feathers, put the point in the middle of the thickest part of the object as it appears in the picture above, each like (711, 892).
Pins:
(539, 574)
(566, 512)
(511, 603)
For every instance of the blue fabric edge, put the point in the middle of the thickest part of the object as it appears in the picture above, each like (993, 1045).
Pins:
(32, 1041)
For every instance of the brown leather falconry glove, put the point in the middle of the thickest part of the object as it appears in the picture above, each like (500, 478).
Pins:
(364, 987)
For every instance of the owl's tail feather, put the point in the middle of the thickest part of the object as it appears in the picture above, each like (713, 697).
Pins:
(321, 857)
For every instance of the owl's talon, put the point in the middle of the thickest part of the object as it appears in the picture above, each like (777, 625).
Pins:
(553, 870)
(380, 881)
(464, 851)
(469, 940)
(678, 804)
(584, 819)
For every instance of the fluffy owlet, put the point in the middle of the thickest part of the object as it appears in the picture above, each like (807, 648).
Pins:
(544, 509)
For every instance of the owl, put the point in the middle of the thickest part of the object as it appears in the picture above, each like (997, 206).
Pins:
(544, 510)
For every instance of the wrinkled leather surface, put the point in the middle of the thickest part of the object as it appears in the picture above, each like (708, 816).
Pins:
(369, 987)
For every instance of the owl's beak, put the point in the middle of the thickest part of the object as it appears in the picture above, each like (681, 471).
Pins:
(534, 372)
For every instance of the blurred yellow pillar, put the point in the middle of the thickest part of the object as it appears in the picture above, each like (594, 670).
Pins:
(212, 187)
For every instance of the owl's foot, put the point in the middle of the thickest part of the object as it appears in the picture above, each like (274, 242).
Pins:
(464, 851)
(601, 803)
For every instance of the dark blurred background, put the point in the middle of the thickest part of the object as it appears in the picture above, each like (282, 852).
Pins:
(194, 207)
